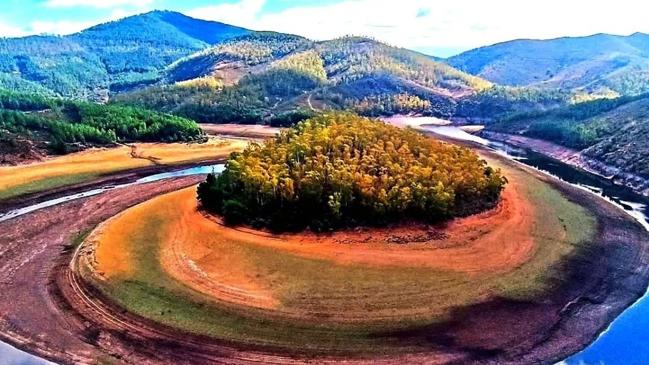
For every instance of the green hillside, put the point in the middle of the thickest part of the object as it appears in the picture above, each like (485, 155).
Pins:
(259, 76)
(502, 101)
(38, 123)
(602, 63)
(106, 58)
(614, 131)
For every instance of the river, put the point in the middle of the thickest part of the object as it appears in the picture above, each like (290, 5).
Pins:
(625, 342)
(198, 170)
(10, 355)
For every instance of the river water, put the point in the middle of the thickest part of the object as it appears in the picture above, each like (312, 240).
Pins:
(10, 355)
(199, 170)
(625, 342)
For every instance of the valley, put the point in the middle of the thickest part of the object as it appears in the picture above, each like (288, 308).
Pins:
(176, 190)
(576, 159)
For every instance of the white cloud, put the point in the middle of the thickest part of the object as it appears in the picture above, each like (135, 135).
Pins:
(97, 3)
(70, 26)
(426, 25)
(434, 25)
(64, 27)
(239, 13)
(7, 30)
(58, 27)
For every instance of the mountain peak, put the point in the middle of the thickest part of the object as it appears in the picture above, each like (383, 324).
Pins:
(109, 57)
(164, 11)
(639, 34)
(169, 24)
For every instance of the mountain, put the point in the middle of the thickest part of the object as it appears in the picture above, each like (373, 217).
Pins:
(613, 131)
(264, 74)
(106, 58)
(602, 63)
(343, 60)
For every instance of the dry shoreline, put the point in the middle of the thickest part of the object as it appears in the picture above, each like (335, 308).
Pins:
(43, 316)
(574, 158)
(113, 178)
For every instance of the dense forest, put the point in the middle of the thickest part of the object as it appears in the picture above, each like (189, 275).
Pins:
(341, 170)
(66, 125)
(575, 125)
(247, 50)
(250, 101)
(501, 102)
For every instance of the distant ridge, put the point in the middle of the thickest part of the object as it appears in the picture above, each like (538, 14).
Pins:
(600, 63)
(173, 26)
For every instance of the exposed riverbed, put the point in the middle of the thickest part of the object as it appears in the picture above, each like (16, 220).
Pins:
(197, 170)
(625, 341)
(13, 356)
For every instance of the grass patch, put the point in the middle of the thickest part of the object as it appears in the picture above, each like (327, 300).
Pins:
(151, 293)
(46, 184)
(85, 166)
(561, 229)
(78, 238)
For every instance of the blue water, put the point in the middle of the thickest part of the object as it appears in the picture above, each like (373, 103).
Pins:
(10, 355)
(626, 341)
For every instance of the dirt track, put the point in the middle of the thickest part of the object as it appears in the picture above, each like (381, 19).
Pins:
(46, 311)
(252, 131)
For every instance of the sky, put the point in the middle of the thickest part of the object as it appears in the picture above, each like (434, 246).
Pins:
(437, 27)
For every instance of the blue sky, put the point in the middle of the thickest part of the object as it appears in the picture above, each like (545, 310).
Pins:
(436, 27)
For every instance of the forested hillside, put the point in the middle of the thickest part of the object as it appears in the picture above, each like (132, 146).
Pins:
(603, 64)
(503, 101)
(33, 122)
(106, 58)
(259, 76)
(614, 131)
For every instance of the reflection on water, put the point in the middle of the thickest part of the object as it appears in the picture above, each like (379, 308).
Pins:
(12, 356)
(626, 341)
